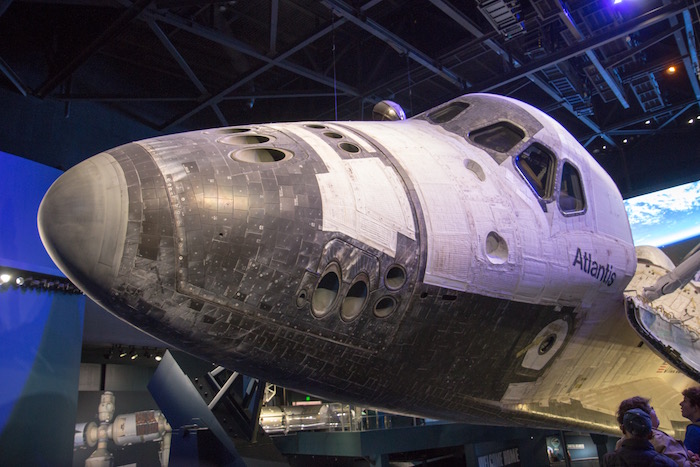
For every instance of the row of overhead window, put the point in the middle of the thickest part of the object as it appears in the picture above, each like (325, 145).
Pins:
(536, 163)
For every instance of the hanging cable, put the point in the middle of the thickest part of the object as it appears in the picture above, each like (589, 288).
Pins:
(335, 86)
(410, 90)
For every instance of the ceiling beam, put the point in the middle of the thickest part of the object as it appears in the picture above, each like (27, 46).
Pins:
(562, 102)
(590, 53)
(13, 78)
(108, 34)
(452, 12)
(185, 66)
(683, 49)
(4, 4)
(640, 22)
(228, 41)
(402, 47)
(274, 15)
(467, 24)
(118, 98)
(694, 70)
(676, 110)
(280, 61)
(620, 58)
(176, 55)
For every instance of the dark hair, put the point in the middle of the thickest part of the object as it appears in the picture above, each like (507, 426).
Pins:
(636, 402)
(693, 395)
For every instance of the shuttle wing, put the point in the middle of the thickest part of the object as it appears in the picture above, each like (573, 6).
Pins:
(662, 306)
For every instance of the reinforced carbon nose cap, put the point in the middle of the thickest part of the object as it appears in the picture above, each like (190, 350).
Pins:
(82, 222)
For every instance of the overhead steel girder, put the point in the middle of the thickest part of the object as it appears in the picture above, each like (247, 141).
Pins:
(694, 70)
(132, 11)
(395, 42)
(216, 36)
(117, 98)
(467, 24)
(13, 78)
(640, 22)
(585, 120)
(274, 14)
(4, 5)
(277, 61)
(682, 48)
(590, 53)
(185, 66)
(677, 110)
(470, 27)
(176, 55)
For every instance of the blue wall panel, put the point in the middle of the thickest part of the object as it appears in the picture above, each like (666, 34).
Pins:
(40, 331)
(22, 187)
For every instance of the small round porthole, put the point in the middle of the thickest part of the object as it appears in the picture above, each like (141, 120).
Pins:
(326, 291)
(244, 139)
(315, 126)
(496, 248)
(332, 134)
(261, 155)
(395, 277)
(349, 147)
(354, 300)
(384, 306)
(547, 344)
(302, 299)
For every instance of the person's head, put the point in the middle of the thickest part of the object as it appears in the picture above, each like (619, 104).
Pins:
(636, 423)
(690, 405)
(637, 402)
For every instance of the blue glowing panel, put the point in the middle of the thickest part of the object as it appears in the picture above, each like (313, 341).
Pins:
(22, 187)
(665, 217)
(40, 341)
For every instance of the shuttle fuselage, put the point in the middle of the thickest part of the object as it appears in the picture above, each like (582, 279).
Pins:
(440, 265)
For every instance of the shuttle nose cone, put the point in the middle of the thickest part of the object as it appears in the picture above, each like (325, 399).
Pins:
(82, 222)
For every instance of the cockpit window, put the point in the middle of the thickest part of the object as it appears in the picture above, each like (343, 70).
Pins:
(447, 113)
(501, 136)
(537, 164)
(571, 197)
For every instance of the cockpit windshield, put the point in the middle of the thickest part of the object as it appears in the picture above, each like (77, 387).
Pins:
(571, 199)
(537, 164)
(448, 112)
(501, 136)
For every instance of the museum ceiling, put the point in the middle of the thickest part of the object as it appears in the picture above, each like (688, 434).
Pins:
(603, 69)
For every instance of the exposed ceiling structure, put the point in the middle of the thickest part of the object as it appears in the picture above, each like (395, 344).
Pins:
(600, 68)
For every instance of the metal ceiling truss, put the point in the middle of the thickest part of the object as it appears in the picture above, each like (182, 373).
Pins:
(567, 97)
(402, 47)
(467, 24)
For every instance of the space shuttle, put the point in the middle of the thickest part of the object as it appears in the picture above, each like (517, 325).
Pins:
(472, 263)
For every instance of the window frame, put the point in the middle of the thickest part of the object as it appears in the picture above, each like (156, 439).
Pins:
(472, 135)
(550, 180)
(584, 208)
